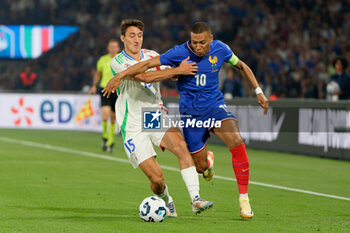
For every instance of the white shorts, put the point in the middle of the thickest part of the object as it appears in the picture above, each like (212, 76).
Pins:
(139, 145)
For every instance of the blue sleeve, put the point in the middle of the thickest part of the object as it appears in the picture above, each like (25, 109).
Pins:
(169, 58)
(226, 51)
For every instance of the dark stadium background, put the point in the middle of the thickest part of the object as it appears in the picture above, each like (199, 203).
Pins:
(289, 45)
(54, 177)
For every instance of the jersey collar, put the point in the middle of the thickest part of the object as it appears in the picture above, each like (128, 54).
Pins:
(130, 57)
(189, 48)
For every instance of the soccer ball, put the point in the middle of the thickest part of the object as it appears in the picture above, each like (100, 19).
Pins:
(332, 87)
(152, 209)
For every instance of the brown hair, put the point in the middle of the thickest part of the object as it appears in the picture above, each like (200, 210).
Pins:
(200, 27)
(131, 22)
(113, 40)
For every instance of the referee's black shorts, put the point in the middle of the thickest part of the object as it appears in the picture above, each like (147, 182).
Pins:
(109, 101)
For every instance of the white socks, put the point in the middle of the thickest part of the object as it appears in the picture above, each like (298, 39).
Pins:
(243, 195)
(190, 177)
(165, 195)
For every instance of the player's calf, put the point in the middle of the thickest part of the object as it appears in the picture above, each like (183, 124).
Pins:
(200, 160)
(209, 173)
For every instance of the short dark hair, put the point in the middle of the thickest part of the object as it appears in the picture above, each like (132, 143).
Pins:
(113, 40)
(200, 27)
(343, 61)
(126, 23)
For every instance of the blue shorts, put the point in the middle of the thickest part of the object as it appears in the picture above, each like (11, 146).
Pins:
(196, 136)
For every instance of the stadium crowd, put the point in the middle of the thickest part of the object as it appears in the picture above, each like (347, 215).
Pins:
(290, 45)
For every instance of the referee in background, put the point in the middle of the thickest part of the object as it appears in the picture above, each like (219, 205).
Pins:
(101, 78)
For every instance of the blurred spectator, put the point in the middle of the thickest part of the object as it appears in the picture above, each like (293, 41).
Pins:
(308, 86)
(339, 87)
(232, 86)
(284, 52)
(27, 79)
(322, 79)
(269, 87)
(280, 94)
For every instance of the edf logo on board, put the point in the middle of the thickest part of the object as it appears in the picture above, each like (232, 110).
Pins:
(63, 109)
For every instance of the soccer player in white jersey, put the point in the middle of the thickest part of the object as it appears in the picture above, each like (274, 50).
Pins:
(200, 98)
(132, 97)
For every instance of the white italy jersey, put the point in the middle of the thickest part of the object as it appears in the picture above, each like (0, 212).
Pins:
(134, 95)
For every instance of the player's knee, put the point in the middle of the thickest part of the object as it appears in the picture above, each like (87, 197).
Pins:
(180, 148)
(237, 141)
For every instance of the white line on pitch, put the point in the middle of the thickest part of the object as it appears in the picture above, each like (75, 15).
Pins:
(101, 156)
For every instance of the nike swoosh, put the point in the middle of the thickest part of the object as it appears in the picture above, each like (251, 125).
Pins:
(277, 126)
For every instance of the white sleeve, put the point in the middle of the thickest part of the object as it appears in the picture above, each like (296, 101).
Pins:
(115, 67)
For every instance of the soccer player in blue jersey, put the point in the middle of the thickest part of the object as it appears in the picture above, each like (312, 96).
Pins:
(201, 99)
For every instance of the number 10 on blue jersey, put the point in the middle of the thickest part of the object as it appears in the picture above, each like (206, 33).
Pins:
(201, 79)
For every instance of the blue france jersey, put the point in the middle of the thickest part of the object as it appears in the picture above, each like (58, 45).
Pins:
(200, 92)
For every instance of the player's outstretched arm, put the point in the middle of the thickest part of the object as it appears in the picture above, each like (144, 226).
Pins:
(248, 73)
(156, 76)
(138, 68)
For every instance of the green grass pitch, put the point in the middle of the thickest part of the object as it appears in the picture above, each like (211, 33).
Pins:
(61, 181)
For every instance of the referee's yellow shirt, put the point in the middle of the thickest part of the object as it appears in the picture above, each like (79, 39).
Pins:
(104, 66)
